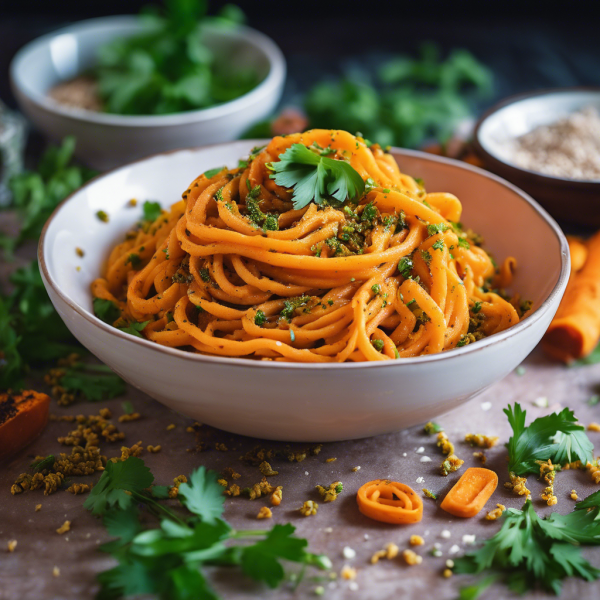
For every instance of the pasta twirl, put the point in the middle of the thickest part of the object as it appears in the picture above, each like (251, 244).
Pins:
(236, 269)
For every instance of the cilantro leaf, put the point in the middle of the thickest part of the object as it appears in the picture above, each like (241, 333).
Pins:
(212, 172)
(202, 495)
(134, 328)
(261, 560)
(473, 592)
(557, 437)
(44, 463)
(94, 382)
(123, 524)
(106, 310)
(592, 501)
(314, 177)
(130, 475)
(152, 210)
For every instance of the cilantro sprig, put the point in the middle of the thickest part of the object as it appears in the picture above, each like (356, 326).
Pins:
(314, 177)
(558, 437)
(530, 551)
(167, 561)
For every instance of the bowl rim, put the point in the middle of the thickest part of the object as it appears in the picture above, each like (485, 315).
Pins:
(274, 78)
(592, 185)
(495, 339)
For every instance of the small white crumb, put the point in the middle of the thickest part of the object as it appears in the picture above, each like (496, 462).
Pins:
(306, 472)
(353, 586)
(278, 343)
(332, 585)
(420, 450)
(404, 454)
(437, 546)
(486, 405)
(445, 534)
(425, 459)
(426, 532)
(348, 552)
(357, 468)
(454, 549)
(328, 529)
(88, 536)
(541, 402)
(366, 536)
(420, 480)
(450, 563)
(436, 552)
(468, 539)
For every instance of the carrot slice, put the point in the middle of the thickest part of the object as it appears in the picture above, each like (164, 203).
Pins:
(470, 493)
(22, 418)
(389, 502)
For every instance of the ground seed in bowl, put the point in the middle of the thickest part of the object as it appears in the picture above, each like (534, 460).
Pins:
(568, 148)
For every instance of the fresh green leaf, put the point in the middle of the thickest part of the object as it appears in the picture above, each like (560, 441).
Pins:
(152, 210)
(123, 524)
(202, 495)
(45, 463)
(473, 592)
(261, 560)
(95, 386)
(592, 501)
(212, 172)
(130, 475)
(134, 328)
(127, 407)
(106, 310)
(315, 178)
(591, 359)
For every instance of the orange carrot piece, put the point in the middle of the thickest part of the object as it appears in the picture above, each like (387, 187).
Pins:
(22, 418)
(578, 251)
(471, 492)
(389, 502)
(575, 330)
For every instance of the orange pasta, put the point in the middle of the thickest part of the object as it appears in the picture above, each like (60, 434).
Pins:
(234, 269)
(389, 502)
(470, 492)
(575, 330)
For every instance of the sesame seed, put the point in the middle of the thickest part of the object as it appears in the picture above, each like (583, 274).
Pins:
(420, 480)
(445, 534)
(468, 539)
(486, 405)
(348, 552)
(420, 450)
(425, 459)
(454, 549)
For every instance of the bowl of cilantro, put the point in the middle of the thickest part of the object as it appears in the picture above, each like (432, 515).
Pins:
(128, 86)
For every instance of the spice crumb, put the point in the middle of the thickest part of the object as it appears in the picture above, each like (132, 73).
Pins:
(56, 572)
(594, 427)
(103, 216)
(264, 513)
(154, 449)
(131, 417)
(309, 508)
(171, 427)
(416, 540)
(496, 513)
(348, 572)
(133, 202)
(12, 545)
(357, 468)
(574, 495)
(329, 460)
(79, 252)
(38, 507)
(66, 526)
(447, 573)
(412, 558)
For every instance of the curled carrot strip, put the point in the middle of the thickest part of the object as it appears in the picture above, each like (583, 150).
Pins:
(471, 492)
(389, 502)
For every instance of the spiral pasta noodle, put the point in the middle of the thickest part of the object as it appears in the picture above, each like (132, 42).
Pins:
(233, 269)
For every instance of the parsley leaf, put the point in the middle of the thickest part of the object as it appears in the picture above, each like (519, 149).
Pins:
(130, 475)
(152, 210)
(557, 437)
(93, 382)
(203, 495)
(212, 172)
(134, 328)
(260, 561)
(405, 266)
(314, 177)
(106, 310)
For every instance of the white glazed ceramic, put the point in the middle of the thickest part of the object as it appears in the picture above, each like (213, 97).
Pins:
(299, 402)
(105, 141)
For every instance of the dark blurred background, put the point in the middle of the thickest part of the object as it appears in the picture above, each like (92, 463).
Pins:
(527, 44)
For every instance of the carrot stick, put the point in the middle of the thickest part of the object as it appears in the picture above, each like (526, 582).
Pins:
(578, 251)
(389, 502)
(470, 492)
(575, 330)
(22, 418)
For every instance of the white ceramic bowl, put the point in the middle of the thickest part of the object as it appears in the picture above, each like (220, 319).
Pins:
(105, 141)
(300, 402)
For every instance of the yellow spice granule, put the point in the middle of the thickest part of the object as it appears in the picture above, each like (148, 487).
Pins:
(496, 513)
(56, 572)
(518, 485)
(355, 469)
(451, 464)
(66, 526)
(330, 493)
(480, 440)
(12, 545)
(390, 551)
(412, 558)
(594, 472)
(154, 449)
(222, 482)
(177, 481)
(38, 507)
(574, 495)
(131, 417)
(132, 202)
(190, 429)
(594, 427)
(348, 572)
(309, 508)
(79, 252)
(264, 513)
(171, 427)
(444, 443)
(331, 460)
(78, 488)
(416, 540)
(277, 496)
(481, 456)
(229, 472)
(221, 447)
(447, 573)
(266, 469)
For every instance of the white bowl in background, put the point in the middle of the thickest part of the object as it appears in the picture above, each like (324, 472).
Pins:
(302, 402)
(105, 140)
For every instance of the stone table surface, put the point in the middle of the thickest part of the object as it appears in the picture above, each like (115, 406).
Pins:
(27, 573)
